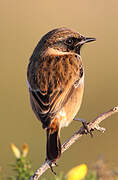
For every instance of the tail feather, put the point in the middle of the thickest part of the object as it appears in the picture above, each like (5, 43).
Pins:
(53, 145)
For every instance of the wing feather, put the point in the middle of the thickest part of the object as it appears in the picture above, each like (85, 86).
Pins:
(51, 83)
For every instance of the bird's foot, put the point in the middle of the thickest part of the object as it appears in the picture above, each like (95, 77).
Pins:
(85, 125)
(51, 165)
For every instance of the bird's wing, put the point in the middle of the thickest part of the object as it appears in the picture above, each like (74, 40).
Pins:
(51, 81)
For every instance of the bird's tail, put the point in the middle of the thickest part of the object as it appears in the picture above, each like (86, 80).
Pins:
(53, 144)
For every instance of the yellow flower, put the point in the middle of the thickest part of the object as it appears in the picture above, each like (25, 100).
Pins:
(16, 151)
(78, 172)
(25, 150)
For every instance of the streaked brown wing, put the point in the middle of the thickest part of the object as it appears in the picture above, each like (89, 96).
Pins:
(51, 81)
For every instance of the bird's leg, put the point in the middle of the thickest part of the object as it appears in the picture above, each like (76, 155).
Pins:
(51, 164)
(85, 125)
(51, 167)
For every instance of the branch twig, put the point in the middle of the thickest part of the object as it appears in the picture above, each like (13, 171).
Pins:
(91, 126)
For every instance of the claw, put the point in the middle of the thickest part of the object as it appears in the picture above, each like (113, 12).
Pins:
(85, 125)
(87, 131)
(55, 164)
(51, 167)
(51, 164)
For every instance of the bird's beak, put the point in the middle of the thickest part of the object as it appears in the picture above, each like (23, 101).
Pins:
(86, 40)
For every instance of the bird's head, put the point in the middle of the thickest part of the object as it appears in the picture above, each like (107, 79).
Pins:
(64, 40)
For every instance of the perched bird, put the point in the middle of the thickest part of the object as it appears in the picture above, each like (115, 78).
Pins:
(56, 83)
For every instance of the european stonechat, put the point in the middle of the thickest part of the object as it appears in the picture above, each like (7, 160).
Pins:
(56, 83)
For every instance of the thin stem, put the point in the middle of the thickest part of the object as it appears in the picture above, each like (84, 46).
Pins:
(94, 124)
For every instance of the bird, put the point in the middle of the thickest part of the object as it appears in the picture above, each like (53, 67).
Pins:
(55, 77)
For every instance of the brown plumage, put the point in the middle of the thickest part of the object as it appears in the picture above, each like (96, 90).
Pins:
(56, 83)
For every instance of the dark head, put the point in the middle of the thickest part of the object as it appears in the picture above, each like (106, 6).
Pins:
(64, 40)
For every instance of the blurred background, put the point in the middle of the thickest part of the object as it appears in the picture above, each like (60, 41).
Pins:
(22, 25)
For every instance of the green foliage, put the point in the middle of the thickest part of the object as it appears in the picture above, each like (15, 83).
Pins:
(22, 169)
(57, 177)
(91, 176)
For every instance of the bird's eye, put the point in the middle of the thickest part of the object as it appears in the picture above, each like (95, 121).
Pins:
(69, 41)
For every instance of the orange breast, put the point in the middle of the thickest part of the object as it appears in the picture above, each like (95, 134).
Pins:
(70, 109)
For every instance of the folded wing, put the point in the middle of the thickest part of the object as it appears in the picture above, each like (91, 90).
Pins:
(51, 81)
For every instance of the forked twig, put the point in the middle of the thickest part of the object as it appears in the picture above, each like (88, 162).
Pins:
(94, 124)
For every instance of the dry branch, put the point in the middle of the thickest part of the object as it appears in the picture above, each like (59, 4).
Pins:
(91, 126)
